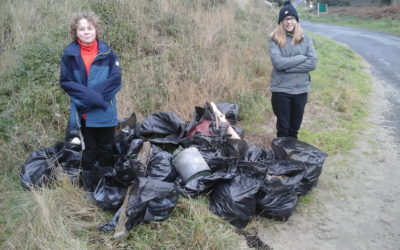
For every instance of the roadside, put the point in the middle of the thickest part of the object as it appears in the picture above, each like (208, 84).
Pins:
(356, 204)
(386, 19)
(367, 12)
(27, 217)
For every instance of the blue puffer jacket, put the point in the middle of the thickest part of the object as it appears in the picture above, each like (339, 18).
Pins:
(93, 95)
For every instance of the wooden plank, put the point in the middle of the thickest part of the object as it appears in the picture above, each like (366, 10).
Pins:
(121, 232)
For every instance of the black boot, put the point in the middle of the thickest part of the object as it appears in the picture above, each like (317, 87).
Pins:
(103, 170)
(88, 178)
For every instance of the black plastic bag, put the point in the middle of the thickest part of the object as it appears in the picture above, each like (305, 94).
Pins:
(149, 200)
(109, 194)
(127, 124)
(126, 131)
(235, 200)
(38, 169)
(277, 198)
(160, 209)
(258, 154)
(210, 147)
(204, 113)
(292, 169)
(127, 171)
(235, 148)
(160, 165)
(313, 159)
(225, 164)
(70, 160)
(70, 152)
(123, 141)
(126, 166)
(231, 111)
(162, 128)
(130, 151)
(203, 184)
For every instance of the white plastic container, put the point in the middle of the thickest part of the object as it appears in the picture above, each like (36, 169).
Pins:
(190, 162)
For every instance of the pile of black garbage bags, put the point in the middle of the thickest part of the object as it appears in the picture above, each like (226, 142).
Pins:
(242, 180)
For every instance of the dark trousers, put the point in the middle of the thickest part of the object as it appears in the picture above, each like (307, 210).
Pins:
(99, 143)
(289, 110)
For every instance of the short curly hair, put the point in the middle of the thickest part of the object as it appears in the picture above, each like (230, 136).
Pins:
(91, 18)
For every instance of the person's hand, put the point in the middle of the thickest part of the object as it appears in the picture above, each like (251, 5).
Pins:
(103, 105)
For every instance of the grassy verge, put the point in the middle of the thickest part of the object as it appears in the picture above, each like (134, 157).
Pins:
(336, 108)
(388, 25)
(216, 49)
(337, 103)
(62, 217)
(175, 55)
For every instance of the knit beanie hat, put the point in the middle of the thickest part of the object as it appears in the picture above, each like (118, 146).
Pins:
(287, 10)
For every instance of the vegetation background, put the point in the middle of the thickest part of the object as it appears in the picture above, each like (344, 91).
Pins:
(384, 18)
(175, 55)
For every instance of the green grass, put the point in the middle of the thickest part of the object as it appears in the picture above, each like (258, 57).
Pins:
(62, 217)
(254, 107)
(173, 57)
(191, 226)
(166, 48)
(341, 85)
(384, 24)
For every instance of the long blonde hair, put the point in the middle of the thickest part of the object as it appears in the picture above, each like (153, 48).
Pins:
(279, 34)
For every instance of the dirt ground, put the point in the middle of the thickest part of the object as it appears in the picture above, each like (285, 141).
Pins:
(356, 204)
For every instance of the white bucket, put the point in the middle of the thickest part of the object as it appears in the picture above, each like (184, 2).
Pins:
(190, 162)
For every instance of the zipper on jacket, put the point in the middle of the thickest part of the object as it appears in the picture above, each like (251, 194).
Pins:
(102, 54)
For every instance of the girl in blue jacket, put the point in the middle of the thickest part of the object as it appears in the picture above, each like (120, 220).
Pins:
(293, 57)
(91, 76)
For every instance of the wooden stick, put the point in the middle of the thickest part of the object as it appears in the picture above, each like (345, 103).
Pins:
(144, 155)
(232, 133)
(218, 114)
(216, 121)
(120, 229)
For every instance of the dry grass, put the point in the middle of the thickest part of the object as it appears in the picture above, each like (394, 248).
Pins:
(203, 64)
(175, 55)
(388, 12)
(51, 218)
(62, 217)
(23, 20)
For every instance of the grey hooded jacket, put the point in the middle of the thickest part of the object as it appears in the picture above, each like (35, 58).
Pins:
(291, 65)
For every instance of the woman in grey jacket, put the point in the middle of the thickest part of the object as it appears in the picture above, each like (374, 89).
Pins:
(293, 57)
